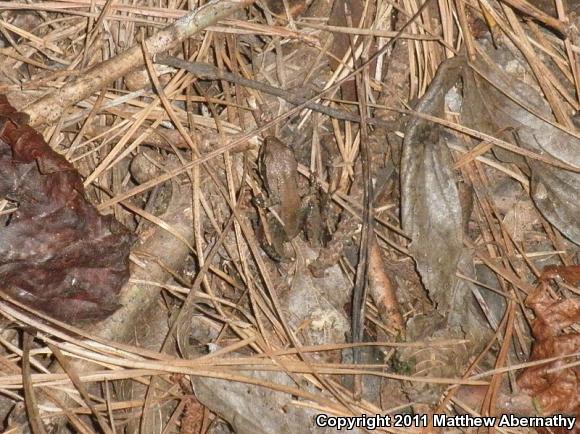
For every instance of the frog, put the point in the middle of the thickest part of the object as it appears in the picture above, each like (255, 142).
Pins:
(289, 212)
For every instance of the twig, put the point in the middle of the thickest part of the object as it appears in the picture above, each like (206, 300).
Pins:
(531, 10)
(30, 400)
(51, 107)
(206, 71)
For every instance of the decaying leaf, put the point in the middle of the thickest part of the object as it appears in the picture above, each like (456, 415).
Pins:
(57, 253)
(554, 386)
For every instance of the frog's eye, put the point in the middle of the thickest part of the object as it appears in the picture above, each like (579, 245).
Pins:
(259, 201)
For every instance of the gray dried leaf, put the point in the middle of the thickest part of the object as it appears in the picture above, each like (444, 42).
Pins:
(495, 102)
(431, 207)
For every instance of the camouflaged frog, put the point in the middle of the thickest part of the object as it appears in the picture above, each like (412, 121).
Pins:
(290, 213)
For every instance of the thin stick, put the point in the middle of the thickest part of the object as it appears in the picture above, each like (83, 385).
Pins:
(49, 108)
(30, 400)
(206, 71)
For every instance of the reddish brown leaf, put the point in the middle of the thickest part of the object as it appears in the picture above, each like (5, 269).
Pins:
(57, 253)
(555, 388)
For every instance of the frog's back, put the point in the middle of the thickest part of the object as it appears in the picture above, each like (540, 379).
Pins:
(280, 170)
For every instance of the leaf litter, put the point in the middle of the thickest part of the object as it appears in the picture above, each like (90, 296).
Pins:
(475, 167)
